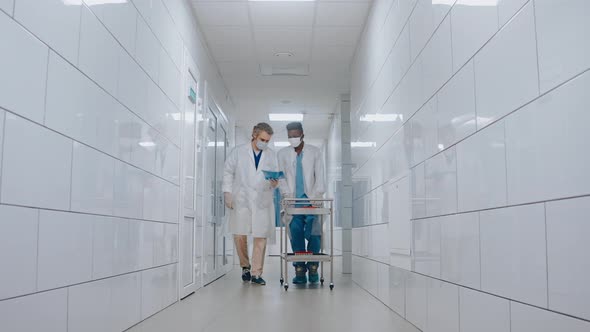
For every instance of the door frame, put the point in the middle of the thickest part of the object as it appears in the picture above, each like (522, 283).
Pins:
(222, 121)
(191, 73)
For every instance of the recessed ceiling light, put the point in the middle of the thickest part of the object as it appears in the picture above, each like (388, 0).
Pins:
(381, 117)
(285, 117)
(284, 54)
(363, 144)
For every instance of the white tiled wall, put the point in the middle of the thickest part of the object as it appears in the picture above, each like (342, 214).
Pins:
(487, 104)
(90, 159)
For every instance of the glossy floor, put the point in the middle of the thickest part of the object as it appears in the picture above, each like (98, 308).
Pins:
(230, 305)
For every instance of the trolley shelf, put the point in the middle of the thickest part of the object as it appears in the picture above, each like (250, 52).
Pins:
(307, 258)
(308, 211)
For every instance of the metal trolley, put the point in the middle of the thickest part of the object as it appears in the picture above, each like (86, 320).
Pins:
(320, 208)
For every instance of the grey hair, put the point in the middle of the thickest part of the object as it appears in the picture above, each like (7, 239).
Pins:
(262, 126)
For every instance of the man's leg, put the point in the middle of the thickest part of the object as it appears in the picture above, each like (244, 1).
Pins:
(258, 255)
(297, 229)
(313, 245)
(241, 242)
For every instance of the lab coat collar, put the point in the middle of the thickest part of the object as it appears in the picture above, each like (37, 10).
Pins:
(253, 162)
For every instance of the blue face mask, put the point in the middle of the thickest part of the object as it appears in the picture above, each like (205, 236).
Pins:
(261, 145)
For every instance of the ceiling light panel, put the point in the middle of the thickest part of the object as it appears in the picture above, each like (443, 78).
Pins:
(347, 13)
(285, 117)
(282, 14)
(222, 13)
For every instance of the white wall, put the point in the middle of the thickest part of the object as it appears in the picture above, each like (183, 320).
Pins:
(90, 157)
(471, 205)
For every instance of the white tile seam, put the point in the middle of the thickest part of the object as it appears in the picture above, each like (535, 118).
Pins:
(37, 254)
(546, 255)
(496, 121)
(71, 197)
(88, 146)
(536, 46)
(435, 93)
(363, 36)
(87, 282)
(479, 247)
(92, 253)
(75, 66)
(138, 64)
(67, 309)
(510, 314)
(516, 13)
(500, 297)
(79, 35)
(505, 207)
(46, 87)
(451, 33)
(148, 23)
(2, 145)
(446, 82)
(459, 308)
(90, 214)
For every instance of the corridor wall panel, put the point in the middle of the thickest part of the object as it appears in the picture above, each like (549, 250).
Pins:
(90, 148)
(487, 118)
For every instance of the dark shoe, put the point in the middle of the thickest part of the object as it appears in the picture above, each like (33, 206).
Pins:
(258, 281)
(246, 276)
(300, 277)
(314, 276)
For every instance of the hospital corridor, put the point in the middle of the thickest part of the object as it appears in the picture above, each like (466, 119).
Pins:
(294, 165)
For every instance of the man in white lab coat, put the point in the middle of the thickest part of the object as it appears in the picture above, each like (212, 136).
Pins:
(303, 165)
(250, 199)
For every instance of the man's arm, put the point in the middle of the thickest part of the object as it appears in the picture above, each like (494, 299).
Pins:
(319, 187)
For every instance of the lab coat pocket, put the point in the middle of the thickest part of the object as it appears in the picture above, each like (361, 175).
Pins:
(264, 200)
(240, 200)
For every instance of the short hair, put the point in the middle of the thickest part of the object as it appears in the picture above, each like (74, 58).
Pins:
(295, 126)
(262, 126)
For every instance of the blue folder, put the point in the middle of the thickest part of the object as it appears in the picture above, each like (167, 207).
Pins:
(271, 175)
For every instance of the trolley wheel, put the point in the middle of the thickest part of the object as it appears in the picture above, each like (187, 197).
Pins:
(286, 287)
(331, 286)
(322, 281)
(282, 281)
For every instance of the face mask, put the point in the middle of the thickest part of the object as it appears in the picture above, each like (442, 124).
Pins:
(261, 145)
(295, 141)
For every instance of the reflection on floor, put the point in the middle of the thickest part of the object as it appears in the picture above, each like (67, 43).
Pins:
(229, 305)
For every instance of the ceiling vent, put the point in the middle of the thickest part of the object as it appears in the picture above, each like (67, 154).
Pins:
(284, 70)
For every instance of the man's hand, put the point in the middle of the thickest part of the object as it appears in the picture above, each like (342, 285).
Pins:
(228, 200)
(274, 183)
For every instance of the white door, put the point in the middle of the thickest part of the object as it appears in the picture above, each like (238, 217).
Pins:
(190, 259)
(210, 205)
(223, 240)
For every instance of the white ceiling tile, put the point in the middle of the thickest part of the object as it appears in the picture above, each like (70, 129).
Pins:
(341, 14)
(282, 13)
(282, 35)
(266, 53)
(332, 53)
(238, 69)
(336, 36)
(232, 52)
(222, 13)
(227, 35)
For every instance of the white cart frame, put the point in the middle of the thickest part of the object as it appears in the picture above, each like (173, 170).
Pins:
(321, 208)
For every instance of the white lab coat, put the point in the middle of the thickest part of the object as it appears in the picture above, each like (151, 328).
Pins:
(253, 210)
(313, 171)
